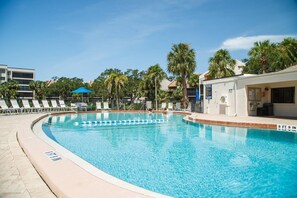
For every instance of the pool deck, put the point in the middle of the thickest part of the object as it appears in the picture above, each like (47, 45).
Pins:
(248, 121)
(19, 178)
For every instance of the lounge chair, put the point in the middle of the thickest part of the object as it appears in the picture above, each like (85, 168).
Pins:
(98, 106)
(73, 107)
(27, 106)
(46, 105)
(4, 108)
(82, 106)
(37, 106)
(177, 106)
(148, 105)
(163, 106)
(63, 106)
(170, 106)
(105, 106)
(15, 105)
(55, 105)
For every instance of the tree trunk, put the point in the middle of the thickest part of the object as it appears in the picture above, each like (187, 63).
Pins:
(156, 97)
(185, 97)
(117, 98)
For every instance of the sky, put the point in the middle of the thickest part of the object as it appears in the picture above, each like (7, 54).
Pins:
(82, 38)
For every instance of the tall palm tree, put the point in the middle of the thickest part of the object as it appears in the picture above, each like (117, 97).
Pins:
(181, 62)
(155, 74)
(115, 82)
(221, 64)
(263, 54)
(9, 89)
(40, 88)
(287, 50)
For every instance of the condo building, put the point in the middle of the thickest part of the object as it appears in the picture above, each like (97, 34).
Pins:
(22, 75)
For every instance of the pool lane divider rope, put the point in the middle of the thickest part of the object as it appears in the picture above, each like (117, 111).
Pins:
(118, 122)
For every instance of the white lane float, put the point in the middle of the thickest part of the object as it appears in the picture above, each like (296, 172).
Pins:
(119, 122)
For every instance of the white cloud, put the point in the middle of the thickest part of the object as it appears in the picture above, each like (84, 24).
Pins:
(247, 42)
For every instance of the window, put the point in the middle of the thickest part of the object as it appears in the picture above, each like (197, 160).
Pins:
(20, 94)
(2, 71)
(20, 81)
(22, 75)
(201, 88)
(283, 95)
(254, 94)
(191, 91)
(208, 91)
(24, 88)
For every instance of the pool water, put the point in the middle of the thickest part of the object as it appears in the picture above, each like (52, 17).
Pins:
(183, 159)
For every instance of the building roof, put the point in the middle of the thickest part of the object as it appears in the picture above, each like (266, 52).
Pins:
(274, 76)
(173, 85)
(292, 68)
(164, 84)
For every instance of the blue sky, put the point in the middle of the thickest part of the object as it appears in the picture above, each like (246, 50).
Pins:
(83, 38)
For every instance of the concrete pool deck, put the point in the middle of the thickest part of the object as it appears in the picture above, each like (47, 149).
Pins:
(19, 178)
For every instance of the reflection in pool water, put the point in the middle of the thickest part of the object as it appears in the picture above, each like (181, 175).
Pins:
(183, 159)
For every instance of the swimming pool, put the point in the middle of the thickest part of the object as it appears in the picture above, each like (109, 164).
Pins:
(165, 154)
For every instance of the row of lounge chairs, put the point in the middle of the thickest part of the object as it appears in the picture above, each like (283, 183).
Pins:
(169, 106)
(37, 107)
(99, 106)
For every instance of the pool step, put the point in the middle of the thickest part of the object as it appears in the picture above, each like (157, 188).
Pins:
(118, 122)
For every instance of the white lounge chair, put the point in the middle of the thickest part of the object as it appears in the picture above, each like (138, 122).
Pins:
(55, 105)
(105, 106)
(148, 105)
(98, 106)
(37, 106)
(15, 105)
(82, 106)
(73, 107)
(163, 105)
(27, 106)
(63, 106)
(170, 106)
(4, 108)
(46, 105)
(177, 106)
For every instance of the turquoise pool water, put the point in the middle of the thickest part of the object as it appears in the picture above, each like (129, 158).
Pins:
(182, 159)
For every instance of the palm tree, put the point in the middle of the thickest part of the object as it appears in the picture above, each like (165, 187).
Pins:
(155, 74)
(115, 82)
(264, 55)
(194, 80)
(163, 96)
(9, 89)
(287, 50)
(181, 62)
(221, 64)
(39, 87)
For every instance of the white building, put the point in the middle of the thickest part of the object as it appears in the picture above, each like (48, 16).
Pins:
(238, 69)
(251, 95)
(22, 75)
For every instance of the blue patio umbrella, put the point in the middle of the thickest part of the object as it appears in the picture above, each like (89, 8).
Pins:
(197, 95)
(82, 90)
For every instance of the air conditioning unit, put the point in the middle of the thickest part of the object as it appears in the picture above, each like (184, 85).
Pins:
(223, 99)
